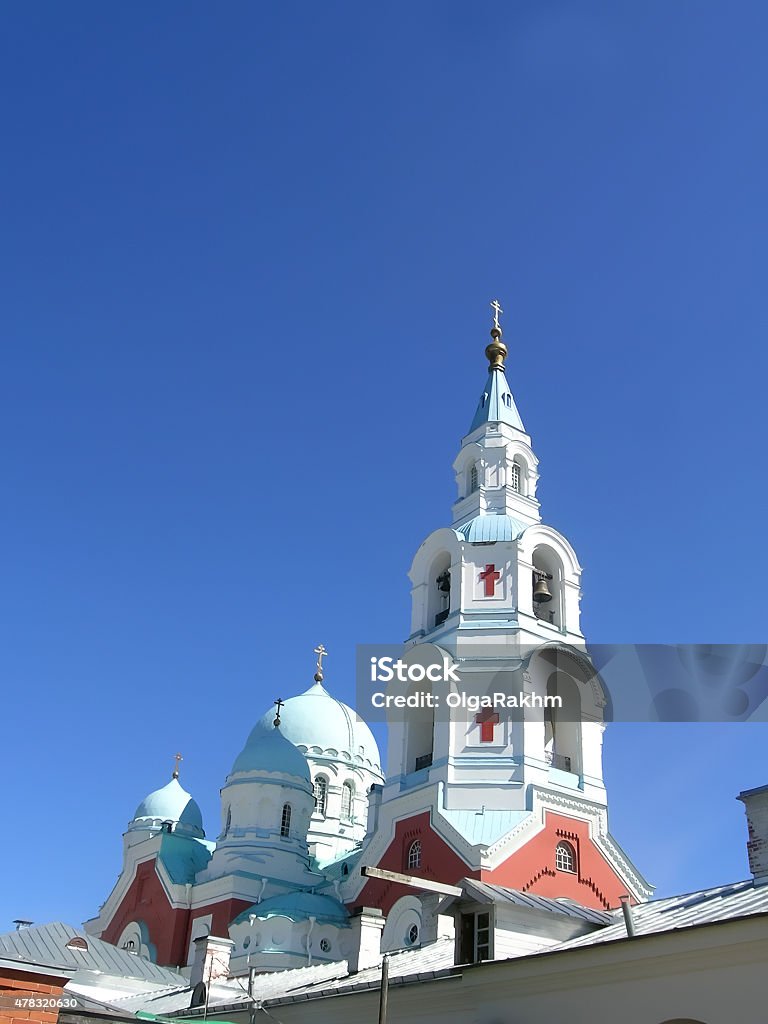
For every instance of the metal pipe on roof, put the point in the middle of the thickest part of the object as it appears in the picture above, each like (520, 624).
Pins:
(626, 909)
(384, 991)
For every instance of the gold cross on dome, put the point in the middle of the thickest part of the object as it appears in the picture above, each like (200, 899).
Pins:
(496, 307)
(177, 758)
(321, 653)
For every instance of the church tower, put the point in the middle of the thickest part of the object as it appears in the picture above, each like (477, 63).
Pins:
(508, 795)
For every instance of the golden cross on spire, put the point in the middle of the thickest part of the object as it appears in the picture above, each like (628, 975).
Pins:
(495, 306)
(177, 758)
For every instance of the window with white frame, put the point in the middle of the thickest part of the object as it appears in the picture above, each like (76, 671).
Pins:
(347, 793)
(321, 794)
(514, 476)
(473, 480)
(476, 937)
(565, 857)
(414, 854)
(285, 820)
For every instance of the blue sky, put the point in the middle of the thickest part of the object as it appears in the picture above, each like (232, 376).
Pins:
(247, 252)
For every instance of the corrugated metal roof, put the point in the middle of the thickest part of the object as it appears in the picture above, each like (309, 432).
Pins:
(303, 983)
(426, 962)
(47, 944)
(722, 903)
(485, 892)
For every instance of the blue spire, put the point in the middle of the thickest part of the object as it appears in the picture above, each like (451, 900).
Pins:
(496, 403)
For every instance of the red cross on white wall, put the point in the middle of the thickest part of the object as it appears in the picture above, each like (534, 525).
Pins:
(490, 577)
(487, 720)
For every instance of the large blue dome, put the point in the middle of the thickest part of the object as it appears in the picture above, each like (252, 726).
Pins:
(317, 722)
(268, 750)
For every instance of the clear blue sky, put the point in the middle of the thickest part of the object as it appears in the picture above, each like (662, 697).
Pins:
(247, 251)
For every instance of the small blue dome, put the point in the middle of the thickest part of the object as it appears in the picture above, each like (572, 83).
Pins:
(171, 803)
(299, 906)
(268, 750)
(489, 528)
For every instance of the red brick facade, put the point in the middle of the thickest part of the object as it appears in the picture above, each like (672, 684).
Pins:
(20, 984)
(532, 868)
(170, 928)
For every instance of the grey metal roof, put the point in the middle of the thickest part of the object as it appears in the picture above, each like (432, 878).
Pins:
(303, 983)
(485, 892)
(47, 944)
(722, 903)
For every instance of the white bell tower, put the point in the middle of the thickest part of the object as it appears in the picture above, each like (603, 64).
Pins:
(498, 565)
(509, 794)
(498, 593)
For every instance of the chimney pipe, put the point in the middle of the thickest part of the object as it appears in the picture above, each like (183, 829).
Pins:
(629, 922)
(756, 805)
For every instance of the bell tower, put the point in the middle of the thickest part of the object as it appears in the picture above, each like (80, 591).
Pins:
(498, 567)
(494, 792)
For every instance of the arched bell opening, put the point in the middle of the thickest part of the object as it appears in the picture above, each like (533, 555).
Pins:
(563, 724)
(420, 731)
(439, 603)
(518, 475)
(547, 587)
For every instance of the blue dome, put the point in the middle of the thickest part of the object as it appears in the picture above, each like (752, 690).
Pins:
(268, 750)
(299, 906)
(487, 529)
(316, 719)
(171, 803)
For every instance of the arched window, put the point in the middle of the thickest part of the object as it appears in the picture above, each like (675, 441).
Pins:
(473, 483)
(565, 857)
(414, 854)
(547, 579)
(347, 792)
(285, 820)
(321, 794)
(514, 476)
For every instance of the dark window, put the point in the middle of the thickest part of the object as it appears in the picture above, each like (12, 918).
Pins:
(285, 820)
(476, 937)
(321, 794)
